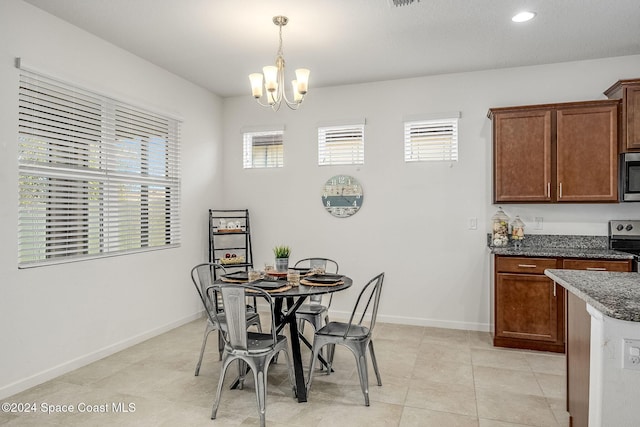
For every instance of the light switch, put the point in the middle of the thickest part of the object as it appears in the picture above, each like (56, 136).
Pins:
(473, 223)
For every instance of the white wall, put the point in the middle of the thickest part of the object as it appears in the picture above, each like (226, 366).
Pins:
(53, 319)
(413, 223)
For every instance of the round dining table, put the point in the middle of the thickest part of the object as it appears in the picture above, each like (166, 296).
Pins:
(294, 296)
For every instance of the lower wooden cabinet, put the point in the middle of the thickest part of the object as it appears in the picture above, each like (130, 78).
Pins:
(529, 308)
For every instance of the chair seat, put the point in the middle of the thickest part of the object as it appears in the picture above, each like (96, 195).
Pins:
(337, 329)
(259, 343)
(313, 309)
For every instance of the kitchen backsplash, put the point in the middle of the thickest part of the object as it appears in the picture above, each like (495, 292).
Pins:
(560, 241)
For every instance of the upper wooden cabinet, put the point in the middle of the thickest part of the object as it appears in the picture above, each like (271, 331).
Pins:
(556, 152)
(629, 92)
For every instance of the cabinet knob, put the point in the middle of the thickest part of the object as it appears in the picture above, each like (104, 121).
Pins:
(619, 227)
(629, 227)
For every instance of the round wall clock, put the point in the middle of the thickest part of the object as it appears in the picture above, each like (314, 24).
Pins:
(342, 196)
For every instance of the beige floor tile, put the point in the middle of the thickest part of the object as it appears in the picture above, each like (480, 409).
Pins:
(478, 339)
(495, 423)
(438, 350)
(416, 417)
(546, 363)
(427, 374)
(514, 408)
(456, 398)
(506, 380)
(504, 359)
(553, 386)
(452, 337)
(444, 371)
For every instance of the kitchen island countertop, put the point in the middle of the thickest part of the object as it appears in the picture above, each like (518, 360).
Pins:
(614, 294)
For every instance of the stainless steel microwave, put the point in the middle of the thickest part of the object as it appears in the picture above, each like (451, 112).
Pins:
(630, 177)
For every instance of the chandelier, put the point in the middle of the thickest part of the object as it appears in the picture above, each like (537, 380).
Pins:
(274, 79)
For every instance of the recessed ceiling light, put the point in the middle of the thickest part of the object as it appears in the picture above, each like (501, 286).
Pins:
(523, 16)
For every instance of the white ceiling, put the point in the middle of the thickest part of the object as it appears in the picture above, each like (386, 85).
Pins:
(217, 43)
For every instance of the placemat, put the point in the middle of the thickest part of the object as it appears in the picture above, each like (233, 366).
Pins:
(309, 283)
(273, 291)
(228, 280)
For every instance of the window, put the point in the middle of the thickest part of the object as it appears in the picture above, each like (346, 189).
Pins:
(341, 145)
(97, 177)
(431, 140)
(263, 149)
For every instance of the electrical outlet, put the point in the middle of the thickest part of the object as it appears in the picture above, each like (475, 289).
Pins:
(631, 354)
(473, 223)
(538, 223)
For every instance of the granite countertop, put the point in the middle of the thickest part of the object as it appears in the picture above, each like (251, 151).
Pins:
(614, 294)
(561, 246)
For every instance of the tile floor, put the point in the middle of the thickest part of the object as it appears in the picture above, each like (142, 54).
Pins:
(430, 376)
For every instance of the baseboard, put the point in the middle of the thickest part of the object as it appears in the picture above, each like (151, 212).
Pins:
(56, 371)
(419, 321)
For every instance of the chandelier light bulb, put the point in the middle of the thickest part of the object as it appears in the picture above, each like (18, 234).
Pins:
(256, 84)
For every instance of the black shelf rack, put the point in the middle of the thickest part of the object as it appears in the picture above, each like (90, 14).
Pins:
(229, 238)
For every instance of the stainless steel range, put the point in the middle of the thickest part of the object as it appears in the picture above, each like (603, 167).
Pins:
(625, 236)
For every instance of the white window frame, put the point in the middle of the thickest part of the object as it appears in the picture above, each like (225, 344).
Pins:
(97, 176)
(431, 139)
(341, 143)
(263, 148)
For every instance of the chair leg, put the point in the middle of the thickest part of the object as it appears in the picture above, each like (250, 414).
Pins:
(331, 350)
(225, 364)
(375, 363)
(261, 393)
(361, 362)
(314, 355)
(207, 331)
(220, 344)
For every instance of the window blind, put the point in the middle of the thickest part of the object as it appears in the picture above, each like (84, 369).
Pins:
(263, 149)
(97, 177)
(341, 145)
(431, 140)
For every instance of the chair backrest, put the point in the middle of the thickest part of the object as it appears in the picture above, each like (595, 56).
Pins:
(202, 276)
(233, 304)
(329, 265)
(366, 306)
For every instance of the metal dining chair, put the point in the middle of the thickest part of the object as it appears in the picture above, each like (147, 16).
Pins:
(203, 278)
(256, 350)
(355, 336)
(315, 312)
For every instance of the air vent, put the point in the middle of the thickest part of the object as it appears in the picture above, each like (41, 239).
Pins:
(398, 3)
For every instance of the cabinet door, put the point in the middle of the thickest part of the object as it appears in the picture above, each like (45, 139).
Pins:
(522, 156)
(527, 308)
(632, 116)
(587, 154)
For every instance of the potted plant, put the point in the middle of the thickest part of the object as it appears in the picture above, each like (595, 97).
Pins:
(282, 253)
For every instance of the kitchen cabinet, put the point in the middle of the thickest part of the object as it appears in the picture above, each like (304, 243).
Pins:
(528, 307)
(629, 92)
(597, 264)
(556, 152)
